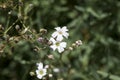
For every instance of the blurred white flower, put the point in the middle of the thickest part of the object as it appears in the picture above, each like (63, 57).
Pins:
(40, 71)
(60, 32)
(58, 45)
(46, 66)
(40, 65)
(50, 75)
(50, 56)
(56, 70)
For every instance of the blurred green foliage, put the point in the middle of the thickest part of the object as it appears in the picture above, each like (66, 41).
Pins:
(95, 22)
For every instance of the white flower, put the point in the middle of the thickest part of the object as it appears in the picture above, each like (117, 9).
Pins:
(60, 32)
(41, 71)
(58, 45)
(46, 66)
(50, 75)
(56, 70)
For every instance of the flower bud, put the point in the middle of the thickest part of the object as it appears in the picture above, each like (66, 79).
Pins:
(11, 38)
(43, 31)
(56, 70)
(50, 56)
(1, 27)
(73, 45)
(30, 5)
(70, 48)
(4, 6)
(9, 12)
(32, 73)
(41, 39)
(50, 75)
(46, 66)
(17, 27)
(19, 15)
(78, 42)
(50, 43)
(24, 31)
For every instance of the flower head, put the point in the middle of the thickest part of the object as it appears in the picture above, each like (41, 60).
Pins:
(40, 39)
(40, 71)
(60, 32)
(58, 45)
(78, 42)
(56, 70)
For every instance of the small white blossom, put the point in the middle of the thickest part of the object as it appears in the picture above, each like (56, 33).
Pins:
(50, 56)
(56, 70)
(60, 32)
(50, 75)
(58, 45)
(46, 66)
(40, 71)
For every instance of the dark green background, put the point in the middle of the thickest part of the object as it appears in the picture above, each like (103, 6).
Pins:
(95, 22)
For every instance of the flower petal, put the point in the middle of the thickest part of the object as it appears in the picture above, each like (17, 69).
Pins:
(44, 72)
(37, 71)
(57, 28)
(40, 76)
(65, 34)
(64, 28)
(59, 38)
(52, 40)
(63, 44)
(53, 47)
(55, 34)
(40, 65)
(60, 49)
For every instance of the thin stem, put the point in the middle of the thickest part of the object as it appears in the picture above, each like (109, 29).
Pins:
(10, 27)
(8, 21)
(20, 9)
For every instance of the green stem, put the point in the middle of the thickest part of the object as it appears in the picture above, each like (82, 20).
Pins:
(10, 27)
(20, 9)
(8, 22)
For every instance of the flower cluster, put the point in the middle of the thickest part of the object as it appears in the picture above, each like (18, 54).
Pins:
(41, 71)
(57, 38)
(56, 43)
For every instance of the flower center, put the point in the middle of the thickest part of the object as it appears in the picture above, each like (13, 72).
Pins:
(41, 72)
(57, 44)
(60, 32)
